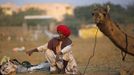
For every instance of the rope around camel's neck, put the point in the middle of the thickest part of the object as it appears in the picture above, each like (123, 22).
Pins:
(115, 34)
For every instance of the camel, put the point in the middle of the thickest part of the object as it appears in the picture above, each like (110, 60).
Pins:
(112, 30)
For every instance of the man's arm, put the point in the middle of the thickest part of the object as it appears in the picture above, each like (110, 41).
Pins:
(42, 48)
(38, 49)
(66, 49)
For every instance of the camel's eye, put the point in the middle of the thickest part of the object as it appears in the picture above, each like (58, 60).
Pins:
(92, 14)
(104, 14)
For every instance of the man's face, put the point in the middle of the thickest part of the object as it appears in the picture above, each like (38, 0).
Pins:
(61, 36)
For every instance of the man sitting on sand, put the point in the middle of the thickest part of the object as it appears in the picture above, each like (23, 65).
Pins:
(58, 52)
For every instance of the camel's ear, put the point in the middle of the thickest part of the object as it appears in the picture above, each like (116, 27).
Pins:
(108, 8)
(94, 7)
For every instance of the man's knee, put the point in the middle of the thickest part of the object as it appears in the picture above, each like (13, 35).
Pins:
(49, 53)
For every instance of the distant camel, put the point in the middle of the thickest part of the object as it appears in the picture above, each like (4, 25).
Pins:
(106, 25)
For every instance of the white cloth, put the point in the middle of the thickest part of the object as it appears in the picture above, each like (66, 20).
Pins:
(67, 55)
(42, 48)
(71, 66)
(64, 50)
(42, 66)
(8, 68)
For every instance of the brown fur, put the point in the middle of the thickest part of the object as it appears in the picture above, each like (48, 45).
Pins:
(116, 35)
(112, 30)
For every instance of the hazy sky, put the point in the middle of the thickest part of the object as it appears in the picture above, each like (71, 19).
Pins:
(72, 2)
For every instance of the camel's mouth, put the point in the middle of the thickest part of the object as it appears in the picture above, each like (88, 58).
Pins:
(95, 18)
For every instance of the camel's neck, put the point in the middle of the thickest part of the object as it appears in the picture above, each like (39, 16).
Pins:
(113, 32)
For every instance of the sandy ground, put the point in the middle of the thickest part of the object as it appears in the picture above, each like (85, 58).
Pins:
(106, 61)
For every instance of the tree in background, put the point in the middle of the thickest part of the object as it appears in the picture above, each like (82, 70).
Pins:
(82, 15)
(117, 12)
(130, 13)
(73, 23)
(17, 19)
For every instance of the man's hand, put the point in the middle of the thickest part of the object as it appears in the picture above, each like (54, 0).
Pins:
(31, 51)
(59, 57)
(59, 53)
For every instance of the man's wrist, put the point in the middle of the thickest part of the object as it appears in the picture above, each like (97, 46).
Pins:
(35, 50)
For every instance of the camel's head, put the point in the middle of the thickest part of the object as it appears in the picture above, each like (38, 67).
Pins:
(100, 14)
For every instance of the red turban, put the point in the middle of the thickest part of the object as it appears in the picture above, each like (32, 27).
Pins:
(64, 30)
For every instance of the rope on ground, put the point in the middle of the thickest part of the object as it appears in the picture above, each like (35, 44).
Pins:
(126, 48)
(90, 57)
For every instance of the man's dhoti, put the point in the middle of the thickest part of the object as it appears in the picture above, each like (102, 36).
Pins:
(71, 67)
